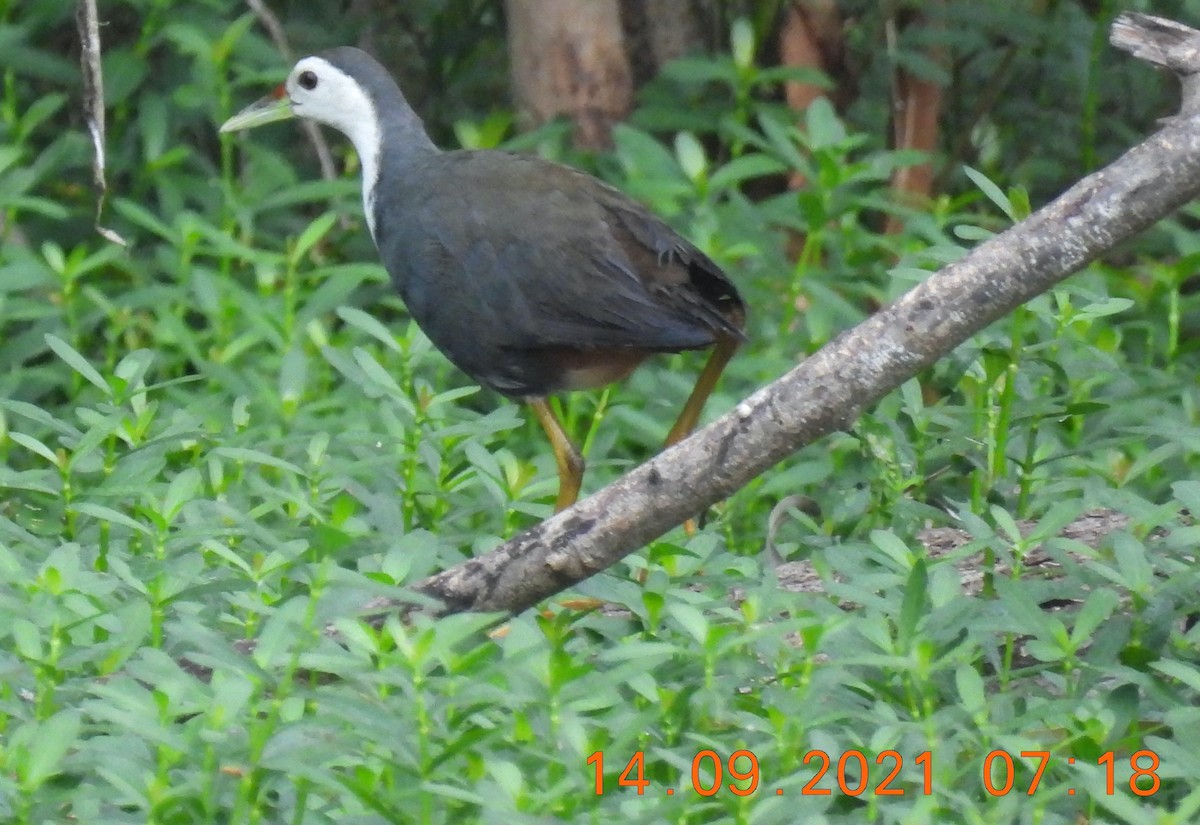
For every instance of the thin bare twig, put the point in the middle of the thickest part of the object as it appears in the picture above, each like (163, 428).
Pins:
(279, 37)
(88, 22)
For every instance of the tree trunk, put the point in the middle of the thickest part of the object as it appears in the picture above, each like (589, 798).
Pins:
(658, 31)
(568, 58)
(916, 108)
(811, 38)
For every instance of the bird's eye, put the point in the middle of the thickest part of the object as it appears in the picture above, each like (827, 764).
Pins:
(307, 80)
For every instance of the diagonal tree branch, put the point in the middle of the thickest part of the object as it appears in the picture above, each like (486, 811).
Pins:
(832, 388)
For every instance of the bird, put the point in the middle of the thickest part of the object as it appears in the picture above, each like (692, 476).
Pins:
(532, 277)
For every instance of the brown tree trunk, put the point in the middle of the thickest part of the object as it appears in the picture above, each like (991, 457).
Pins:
(658, 31)
(810, 38)
(916, 107)
(568, 58)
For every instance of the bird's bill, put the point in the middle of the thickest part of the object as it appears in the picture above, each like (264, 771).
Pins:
(273, 107)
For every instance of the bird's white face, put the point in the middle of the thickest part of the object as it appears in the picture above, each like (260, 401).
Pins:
(318, 90)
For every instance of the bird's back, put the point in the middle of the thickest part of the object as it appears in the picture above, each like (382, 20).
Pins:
(518, 268)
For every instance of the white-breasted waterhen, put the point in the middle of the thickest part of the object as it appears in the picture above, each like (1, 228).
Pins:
(533, 278)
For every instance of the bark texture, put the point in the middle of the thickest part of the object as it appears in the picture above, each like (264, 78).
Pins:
(568, 58)
(810, 37)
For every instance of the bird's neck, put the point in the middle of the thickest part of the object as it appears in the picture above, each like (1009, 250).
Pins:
(402, 133)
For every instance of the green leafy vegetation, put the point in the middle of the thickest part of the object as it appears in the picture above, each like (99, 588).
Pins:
(231, 431)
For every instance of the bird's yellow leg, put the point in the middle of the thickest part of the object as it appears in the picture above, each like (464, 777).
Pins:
(566, 456)
(705, 385)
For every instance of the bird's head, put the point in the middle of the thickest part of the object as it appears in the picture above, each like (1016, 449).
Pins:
(349, 90)
(315, 89)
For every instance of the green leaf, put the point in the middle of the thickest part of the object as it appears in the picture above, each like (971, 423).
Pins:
(375, 371)
(822, 125)
(691, 156)
(27, 639)
(1103, 309)
(33, 445)
(916, 603)
(24, 275)
(894, 547)
(970, 232)
(367, 323)
(1187, 493)
(41, 416)
(77, 362)
(643, 156)
(55, 737)
(1135, 569)
(245, 454)
(311, 235)
(695, 71)
(691, 620)
(38, 481)
(183, 488)
(1185, 672)
(509, 777)
(239, 413)
(992, 192)
(741, 43)
(1097, 609)
(782, 137)
(1006, 524)
(142, 217)
(745, 168)
(640, 650)
(224, 47)
(34, 61)
(483, 460)
(1154, 458)
(293, 373)
(99, 511)
(971, 690)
